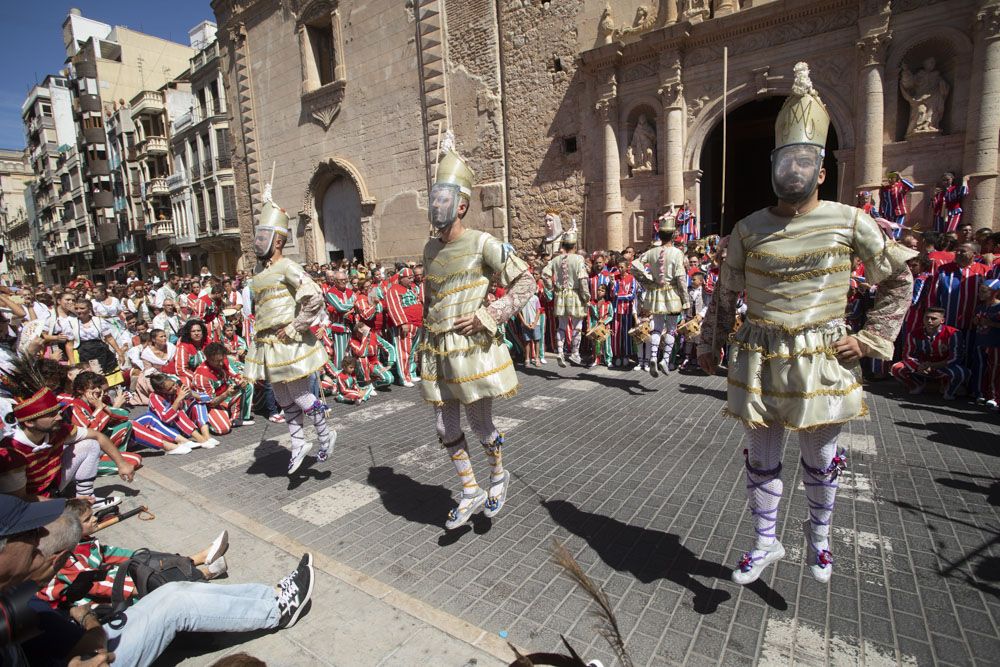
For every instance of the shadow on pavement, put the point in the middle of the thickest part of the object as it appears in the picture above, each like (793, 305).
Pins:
(991, 491)
(271, 463)
(541, 373)
(958, 435)
(648, 555)
(631, 387)
(410, 499)
(704, 391)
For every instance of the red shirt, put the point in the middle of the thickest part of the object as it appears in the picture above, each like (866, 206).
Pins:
(208, 380)
(44, 462)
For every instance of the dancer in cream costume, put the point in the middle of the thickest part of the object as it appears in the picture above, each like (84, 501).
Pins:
(793, 364)
(566, 277)
(287, 303)
(463, 357)
(665, 295)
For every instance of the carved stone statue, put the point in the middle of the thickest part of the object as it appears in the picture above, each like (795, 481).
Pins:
(695, 11)
(926, 91)
(641, 154)
(606, 28)
(644, 20)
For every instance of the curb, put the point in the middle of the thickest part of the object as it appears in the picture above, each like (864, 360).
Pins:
(462, 630)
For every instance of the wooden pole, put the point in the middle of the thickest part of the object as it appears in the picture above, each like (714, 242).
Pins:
(725, 99)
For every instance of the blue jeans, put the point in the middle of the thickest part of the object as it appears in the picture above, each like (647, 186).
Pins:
(153, 621)
(270, 405)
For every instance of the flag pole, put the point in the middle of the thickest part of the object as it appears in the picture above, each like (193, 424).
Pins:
(725, 99)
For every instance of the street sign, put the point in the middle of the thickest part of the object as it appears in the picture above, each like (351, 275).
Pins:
(164, 266)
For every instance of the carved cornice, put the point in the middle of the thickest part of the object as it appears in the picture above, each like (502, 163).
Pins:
(323, 104)
(873, 49)
(231, 12)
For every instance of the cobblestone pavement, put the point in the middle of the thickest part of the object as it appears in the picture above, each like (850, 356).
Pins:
(643, 481)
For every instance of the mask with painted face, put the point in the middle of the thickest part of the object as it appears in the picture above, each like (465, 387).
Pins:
(263, 243)
(443, 205)
(795, 171)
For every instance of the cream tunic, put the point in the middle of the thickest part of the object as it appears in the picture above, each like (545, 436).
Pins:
(566, 276)
(276, 292)
(661, 270)
(457, 278)
(796, 273)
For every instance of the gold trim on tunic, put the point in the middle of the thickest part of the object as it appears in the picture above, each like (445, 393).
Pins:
(471, 378)
(479, 282)
(767, 356)
(763, 254)
(795, 394)
(796, 277)
(752, 424)
(836, 301)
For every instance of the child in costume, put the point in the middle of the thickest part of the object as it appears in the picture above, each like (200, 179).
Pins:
(601, 313)
(347, 387)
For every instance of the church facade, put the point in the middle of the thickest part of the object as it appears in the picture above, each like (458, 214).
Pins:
(607, 111)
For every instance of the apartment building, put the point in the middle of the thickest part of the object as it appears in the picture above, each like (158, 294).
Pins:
(18, 262)
(202, 189)
(109, 65)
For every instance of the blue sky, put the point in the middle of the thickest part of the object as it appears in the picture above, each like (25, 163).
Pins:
(32, 42)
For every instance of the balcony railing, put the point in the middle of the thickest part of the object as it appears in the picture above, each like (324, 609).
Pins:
(154, 146)
(148, 101)
(224, 162)
(206, 166)
(157, 186)
(195, 171)
(160, 229)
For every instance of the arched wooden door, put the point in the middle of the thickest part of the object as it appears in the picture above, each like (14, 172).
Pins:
(340, 216)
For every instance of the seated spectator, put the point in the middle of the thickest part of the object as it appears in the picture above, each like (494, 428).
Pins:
(56, 453)
(230, 396)
(933, 352)
(152, 622)
(348, 389)
(174, 412)
(367, 348)
(89, 572)
(89, 409)
(189, 352)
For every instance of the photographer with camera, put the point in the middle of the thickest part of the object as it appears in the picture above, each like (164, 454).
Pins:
(23, 526)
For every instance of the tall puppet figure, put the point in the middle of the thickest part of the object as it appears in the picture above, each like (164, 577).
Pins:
(661, 272)
(793, 365)
(285, 352)
(463, 360)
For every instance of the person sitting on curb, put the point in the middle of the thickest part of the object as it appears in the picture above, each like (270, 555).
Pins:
(139, 635)
(88, 575)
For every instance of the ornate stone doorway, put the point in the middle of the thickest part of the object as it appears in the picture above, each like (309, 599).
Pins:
(748, 181)
(336, 219)
(340, 216)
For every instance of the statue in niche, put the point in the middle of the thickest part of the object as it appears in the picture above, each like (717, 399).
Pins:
(926, 91)
(644, 21)
(606, 28)
(641, 154)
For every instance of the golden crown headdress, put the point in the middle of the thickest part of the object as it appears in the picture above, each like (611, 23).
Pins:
(803, 118)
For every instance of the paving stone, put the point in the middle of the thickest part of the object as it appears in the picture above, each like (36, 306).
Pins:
(654, 511)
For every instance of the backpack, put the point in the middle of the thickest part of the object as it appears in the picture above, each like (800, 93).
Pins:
(149, 570)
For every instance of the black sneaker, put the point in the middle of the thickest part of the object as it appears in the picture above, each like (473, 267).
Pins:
(296, 590)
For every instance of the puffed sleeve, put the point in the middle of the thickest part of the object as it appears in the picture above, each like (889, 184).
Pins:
(308, 297)
(513, 275)
(733, 267)
(885, 266)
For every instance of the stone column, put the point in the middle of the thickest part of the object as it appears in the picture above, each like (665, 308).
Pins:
(983, 124)
(310, 80)
(672, 126)
(607, 111)
(871, 111)
(339, 68)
